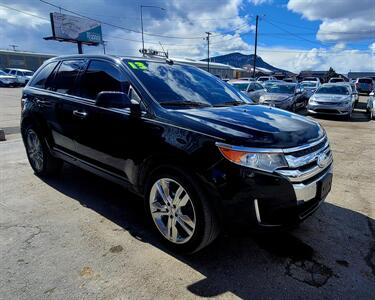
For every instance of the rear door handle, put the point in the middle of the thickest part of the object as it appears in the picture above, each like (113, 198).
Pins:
(80, 114)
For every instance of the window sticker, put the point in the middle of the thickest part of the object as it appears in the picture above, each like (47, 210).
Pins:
(137, 65)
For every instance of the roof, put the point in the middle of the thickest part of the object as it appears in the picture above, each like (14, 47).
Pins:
(361, 74)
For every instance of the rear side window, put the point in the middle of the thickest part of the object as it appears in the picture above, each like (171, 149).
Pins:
(364, 80)
(40, 80)
(65, 80)
(102, 76)
(19, 73)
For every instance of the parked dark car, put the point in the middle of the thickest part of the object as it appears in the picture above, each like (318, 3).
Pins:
(364, 85)
(288, 96)
(191, 145)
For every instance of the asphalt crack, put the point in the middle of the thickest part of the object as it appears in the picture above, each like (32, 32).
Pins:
(370, 257)
(310, 272)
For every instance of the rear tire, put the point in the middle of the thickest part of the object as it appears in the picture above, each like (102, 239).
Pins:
(180, 211)
(38, 154)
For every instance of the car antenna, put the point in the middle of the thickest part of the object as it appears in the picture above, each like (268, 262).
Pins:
(168, 60)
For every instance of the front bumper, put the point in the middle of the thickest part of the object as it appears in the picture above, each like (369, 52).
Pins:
(7, 83)
(280, 199)
(329, 109)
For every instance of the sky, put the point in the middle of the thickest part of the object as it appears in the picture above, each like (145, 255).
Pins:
(292, 34)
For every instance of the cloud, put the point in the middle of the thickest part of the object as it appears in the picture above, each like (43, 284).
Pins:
(342, 21)
(260, 2)
(342, 60)
(19, 19)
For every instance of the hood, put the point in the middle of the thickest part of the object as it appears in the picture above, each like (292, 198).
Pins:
(251, 125)
(275, 97)
(7, 77)
(330, 98)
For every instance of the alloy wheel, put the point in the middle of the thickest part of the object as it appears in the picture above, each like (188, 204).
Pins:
(34, 150)
(172, 210)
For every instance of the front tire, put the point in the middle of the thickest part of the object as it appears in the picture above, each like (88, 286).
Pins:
(38, 154)
(180, 211)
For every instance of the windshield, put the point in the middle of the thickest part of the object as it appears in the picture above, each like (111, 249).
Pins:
(28, 73)
(308, 84)
(3, 73)
(280, 88)
(336, 80)
(337, 90)
(175, 84)
(240, 86)
(364, 80)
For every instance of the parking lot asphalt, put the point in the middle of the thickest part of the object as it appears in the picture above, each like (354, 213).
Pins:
(78, 236)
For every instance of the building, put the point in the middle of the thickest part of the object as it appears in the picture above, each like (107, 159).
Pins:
(355, 75)
(23, 60)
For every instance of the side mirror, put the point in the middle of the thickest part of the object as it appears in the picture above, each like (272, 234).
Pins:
(113, 100)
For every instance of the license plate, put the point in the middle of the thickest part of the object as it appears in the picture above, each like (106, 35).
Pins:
(325, 186)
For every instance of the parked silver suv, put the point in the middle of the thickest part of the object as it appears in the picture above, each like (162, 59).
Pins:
(23, 76)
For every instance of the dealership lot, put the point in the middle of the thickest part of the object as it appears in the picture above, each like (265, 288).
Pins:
(82, 236)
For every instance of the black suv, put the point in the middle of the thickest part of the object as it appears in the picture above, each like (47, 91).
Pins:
(198, 151)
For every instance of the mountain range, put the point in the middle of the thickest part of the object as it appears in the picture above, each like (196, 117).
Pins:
(240, 60)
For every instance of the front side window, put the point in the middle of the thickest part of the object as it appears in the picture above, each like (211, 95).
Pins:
(182, 85)
(102, 76)
(65, 80)
(40, 79)
(19, 73)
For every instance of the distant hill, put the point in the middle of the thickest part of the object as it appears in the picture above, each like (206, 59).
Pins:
(239, 60)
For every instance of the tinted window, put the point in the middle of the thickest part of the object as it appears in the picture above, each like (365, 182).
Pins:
(19, 73)
(66, 77)
(258, 86)
(364, 80)
(40, 80)
(102, 76)
(174, 84)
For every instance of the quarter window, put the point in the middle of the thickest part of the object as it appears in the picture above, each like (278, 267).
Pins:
(40, 80)
(65, 81)
(102, 76)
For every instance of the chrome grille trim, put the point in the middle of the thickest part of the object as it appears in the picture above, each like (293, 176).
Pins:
(295, 162)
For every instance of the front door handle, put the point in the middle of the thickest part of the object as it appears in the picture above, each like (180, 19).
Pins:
(42, 102)
(80, 114)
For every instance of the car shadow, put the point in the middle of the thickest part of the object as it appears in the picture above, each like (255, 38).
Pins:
(332, 250)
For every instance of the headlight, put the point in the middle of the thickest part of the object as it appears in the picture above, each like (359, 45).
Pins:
(258, 159)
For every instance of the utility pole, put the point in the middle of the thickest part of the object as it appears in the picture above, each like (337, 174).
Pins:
(256, 44)
(208, 50)
(14, 47)
(104, 43)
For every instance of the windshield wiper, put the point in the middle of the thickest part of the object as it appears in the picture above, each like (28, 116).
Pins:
(230, 103)
(184, 103)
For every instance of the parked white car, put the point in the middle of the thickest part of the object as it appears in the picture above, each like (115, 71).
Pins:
(6, 80)
(253, 89)
(23, 76)
(262, 79)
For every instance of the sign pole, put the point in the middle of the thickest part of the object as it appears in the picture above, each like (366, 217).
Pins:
(79, 44)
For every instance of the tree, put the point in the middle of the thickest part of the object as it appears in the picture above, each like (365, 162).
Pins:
(330, 74)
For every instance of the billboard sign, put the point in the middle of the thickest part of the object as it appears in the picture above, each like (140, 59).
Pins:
(72, 28)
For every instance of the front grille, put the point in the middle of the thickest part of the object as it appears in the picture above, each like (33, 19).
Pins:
(328, 103)
(327, 111)
(303, 164)
(310, 149)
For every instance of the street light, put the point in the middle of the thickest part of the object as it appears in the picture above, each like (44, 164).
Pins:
(149, 6)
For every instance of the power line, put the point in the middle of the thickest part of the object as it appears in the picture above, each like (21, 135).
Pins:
(117, 26)
(23, 12)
